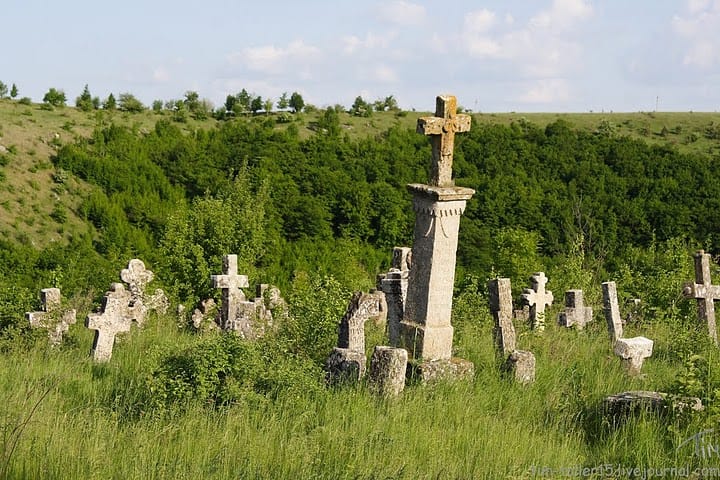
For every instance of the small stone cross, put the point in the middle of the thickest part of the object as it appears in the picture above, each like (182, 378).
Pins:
(50, 316)
(230, 283)
(576, 313)
(116, 317)
(705, 292)
(442, 129)
(537, 298)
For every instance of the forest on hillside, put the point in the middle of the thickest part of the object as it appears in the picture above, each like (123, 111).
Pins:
(332, 205)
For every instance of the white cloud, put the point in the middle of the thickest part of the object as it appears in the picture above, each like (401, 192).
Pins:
(479, 21)
(547, 91)
(698, 33)
(161, 75)
(563, 14)
(401, 12)
(385, 74)
(353, 44)
(272, 60)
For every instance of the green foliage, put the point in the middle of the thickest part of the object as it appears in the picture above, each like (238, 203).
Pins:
(85, 101)
(127, 102)
(25, 101)
(360, 108)
(110, 103)
(197, 237)
(296, 102)
(283, 102)
(13, 91)
(317, 304)
(54, 98)
(3, 90)
(223, 369)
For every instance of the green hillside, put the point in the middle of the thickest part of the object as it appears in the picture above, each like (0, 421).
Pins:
(314, 202)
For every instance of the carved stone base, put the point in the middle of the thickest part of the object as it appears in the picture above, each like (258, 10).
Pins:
(452, 369)
(521, 365)
(344, 365)
(425, 342)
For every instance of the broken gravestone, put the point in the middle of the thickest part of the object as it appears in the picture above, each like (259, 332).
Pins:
(138, 277)
(576, 313)
(518, 363)
(394, 285)
(388, 366)
(116, 316)
(537, 298)
(51, 315)
(347, 361)
(632, 351)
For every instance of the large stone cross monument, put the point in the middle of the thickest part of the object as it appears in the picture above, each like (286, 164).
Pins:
(426, 331)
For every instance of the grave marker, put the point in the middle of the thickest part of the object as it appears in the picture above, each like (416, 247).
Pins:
(612, 311)
(394, 285)
(705, 292)
(576, 313)
(51, 315)
(537, 298)
(116, 316)
(230, 283)
(502, 310)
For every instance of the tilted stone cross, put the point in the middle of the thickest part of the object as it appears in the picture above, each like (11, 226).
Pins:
(230, 283)
(612, 311)
(705, 292)
(501, 307)
(442, 129)
(116, 317)
(51, 317)
(537, 298)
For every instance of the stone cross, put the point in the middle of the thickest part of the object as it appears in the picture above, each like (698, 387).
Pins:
(612, 311)
(502, 310)
(230, 283)
(394, 285)
(137, 277)
(116, 316)
(50, 315)
(442, 129)
(537, 298)
(705, 292)
(633, 352)
(576, 313)
(352, 326)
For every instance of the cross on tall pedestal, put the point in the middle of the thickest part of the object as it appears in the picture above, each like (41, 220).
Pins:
(442, 128)
(705, 292)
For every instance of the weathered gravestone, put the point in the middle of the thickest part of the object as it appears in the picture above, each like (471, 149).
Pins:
(612, 311)
(426, 331)
(520, 364)
(347, 361)
(51, 316)
(394, 285)
(138, 277)
(388, 366)
(576, 313)
(705, 292)
(537, 298)
(116, 316)
(632, 351)
(230, 283)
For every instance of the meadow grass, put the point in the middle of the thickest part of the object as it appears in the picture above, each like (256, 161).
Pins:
(89, 420)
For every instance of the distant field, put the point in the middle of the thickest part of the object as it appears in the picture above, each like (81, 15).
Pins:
(38, 207)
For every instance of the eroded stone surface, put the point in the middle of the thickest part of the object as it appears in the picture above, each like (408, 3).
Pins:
(138, 277)
(345, 365)
(443, 370)
(705, 292)
(116, 316)
(537, 298)
(351, 333)
(636, 401)
(612, 311)
(521, 365)
(388, 366)
(205, 316)
(51, 315)
(633, 352)
(576, 313)
(501, 307)
(230, 282)
(394, 285)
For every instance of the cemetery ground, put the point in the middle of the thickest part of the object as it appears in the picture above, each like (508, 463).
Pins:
(65, 417)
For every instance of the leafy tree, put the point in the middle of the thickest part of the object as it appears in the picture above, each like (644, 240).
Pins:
(296, 102)
(390, 104)
(96, 103)
(85, 101)
(230, 102)
(360, 108)
(55, 98)
(157, 106)
(242, 105)
(13, 91)
(192, 100)
(3, 90)
(129, 103)
(268, 105)
(256, 104)
(110, 103)
(283, 102)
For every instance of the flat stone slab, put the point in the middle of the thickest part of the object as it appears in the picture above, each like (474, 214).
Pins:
(633, 351)
(438, 370)
(636, 401)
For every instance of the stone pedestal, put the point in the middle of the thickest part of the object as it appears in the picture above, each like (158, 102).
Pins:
(394, 285)
(439, 370)
(388, 367)
(426, 331)
(345, 365)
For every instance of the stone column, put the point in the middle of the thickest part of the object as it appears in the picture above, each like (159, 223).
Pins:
(394, 285)
(426, 330)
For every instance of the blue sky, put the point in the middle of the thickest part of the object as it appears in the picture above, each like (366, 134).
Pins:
(495, 56)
